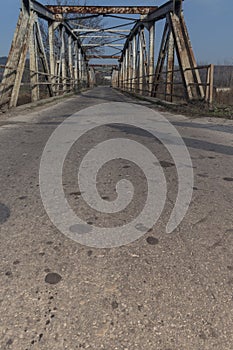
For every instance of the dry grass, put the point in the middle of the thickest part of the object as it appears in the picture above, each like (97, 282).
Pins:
(224, 97)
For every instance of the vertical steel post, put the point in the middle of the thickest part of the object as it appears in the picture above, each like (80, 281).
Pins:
(151, 56)
(127, 69)
(80, 67)
(75, 65)
(87, 70)
(134, 73)
(52, 55)
(210, 85)
(24, 38)
(170, 68)
(211, 81)
(70, 58)
(43, 57)
(141, 64)
(63, 60)
(121, 75)
(33, 53)
(130, 66)
(160, 61)
(123, 72)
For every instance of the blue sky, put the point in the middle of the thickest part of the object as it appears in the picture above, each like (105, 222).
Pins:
(209, 23)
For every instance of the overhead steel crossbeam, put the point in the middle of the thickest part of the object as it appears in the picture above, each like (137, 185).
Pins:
(102, 36)
(102, 45)
(104, 33)
(142, 10)
(107, 30)
(103, 30)
(108, 57)
(103, 65)
(58, 58)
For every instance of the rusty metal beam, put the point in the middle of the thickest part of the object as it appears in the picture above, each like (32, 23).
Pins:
(41, 10)
(103, 36)
(68, 69)
(159, 13)
(101, 45)
(33, 51)
(102, 10)
(170, 68)
(23, 41)
(151, 67)
(210, 84)
(101, 30)
(44, 12)
(162, 11)
(103, 65)
(114, 57)
(185, 56)
(161, 60)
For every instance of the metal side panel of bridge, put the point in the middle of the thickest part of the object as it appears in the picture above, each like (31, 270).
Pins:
(57, 63)
(49, 56)
(176, 73)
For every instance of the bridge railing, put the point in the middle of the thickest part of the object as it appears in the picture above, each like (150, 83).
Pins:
(48, 59)
(60, 86)
(176, 89)
(139, 72)
(55, 59)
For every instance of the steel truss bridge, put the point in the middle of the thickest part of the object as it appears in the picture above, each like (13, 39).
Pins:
(60, 59)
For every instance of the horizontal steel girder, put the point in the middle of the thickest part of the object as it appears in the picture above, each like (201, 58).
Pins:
(101, 10)
(100, 45)
(103, 65)
(103, 36)
(94, 30)
(111, 57)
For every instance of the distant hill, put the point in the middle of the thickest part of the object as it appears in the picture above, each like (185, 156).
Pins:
(3, 60)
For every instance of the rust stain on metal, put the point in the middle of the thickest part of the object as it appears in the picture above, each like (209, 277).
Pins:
(142, 10)
(104, 57)
(136, 70)
(103, 65)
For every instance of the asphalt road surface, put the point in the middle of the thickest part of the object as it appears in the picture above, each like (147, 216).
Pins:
(164, 291)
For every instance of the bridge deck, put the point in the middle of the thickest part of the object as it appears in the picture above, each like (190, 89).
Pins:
(164, 291)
